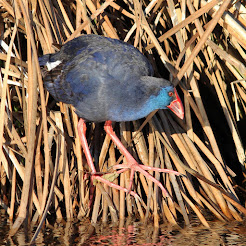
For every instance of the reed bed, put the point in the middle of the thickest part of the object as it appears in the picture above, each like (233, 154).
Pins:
(43, 168)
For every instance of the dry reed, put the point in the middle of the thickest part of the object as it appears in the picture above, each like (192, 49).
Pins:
(42, 163)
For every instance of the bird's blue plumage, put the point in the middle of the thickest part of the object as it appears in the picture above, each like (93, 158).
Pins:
(105, 79)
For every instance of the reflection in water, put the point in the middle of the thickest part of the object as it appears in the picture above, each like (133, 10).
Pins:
(128, 233)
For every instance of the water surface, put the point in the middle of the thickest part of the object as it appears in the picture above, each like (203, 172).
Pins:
(128, 233)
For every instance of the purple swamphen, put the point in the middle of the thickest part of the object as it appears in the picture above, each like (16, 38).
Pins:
(108, 80)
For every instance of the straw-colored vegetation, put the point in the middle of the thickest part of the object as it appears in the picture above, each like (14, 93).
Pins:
(198, 45)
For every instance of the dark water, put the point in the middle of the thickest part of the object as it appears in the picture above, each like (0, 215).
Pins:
(129, 233)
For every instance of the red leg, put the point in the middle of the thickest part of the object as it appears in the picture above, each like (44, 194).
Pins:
(82, 136)
(132, 163)
(83, 140)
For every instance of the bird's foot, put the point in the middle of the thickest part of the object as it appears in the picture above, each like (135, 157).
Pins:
(108, 178)
(135, 167)
(132, 164)
(95, 176)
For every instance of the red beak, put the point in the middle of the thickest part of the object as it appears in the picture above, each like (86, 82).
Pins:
(176, 106)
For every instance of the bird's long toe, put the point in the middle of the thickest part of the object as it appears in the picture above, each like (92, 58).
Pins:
(115, 186)
(135, 167)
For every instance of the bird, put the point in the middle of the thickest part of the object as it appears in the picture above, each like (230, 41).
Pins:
(108, 80)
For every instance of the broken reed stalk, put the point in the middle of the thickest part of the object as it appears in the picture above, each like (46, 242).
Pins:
(186, 50)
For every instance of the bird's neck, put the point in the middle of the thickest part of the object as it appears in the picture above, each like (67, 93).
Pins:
(159, 101)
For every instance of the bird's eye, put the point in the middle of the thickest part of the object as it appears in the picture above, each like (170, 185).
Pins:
(170, 93)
